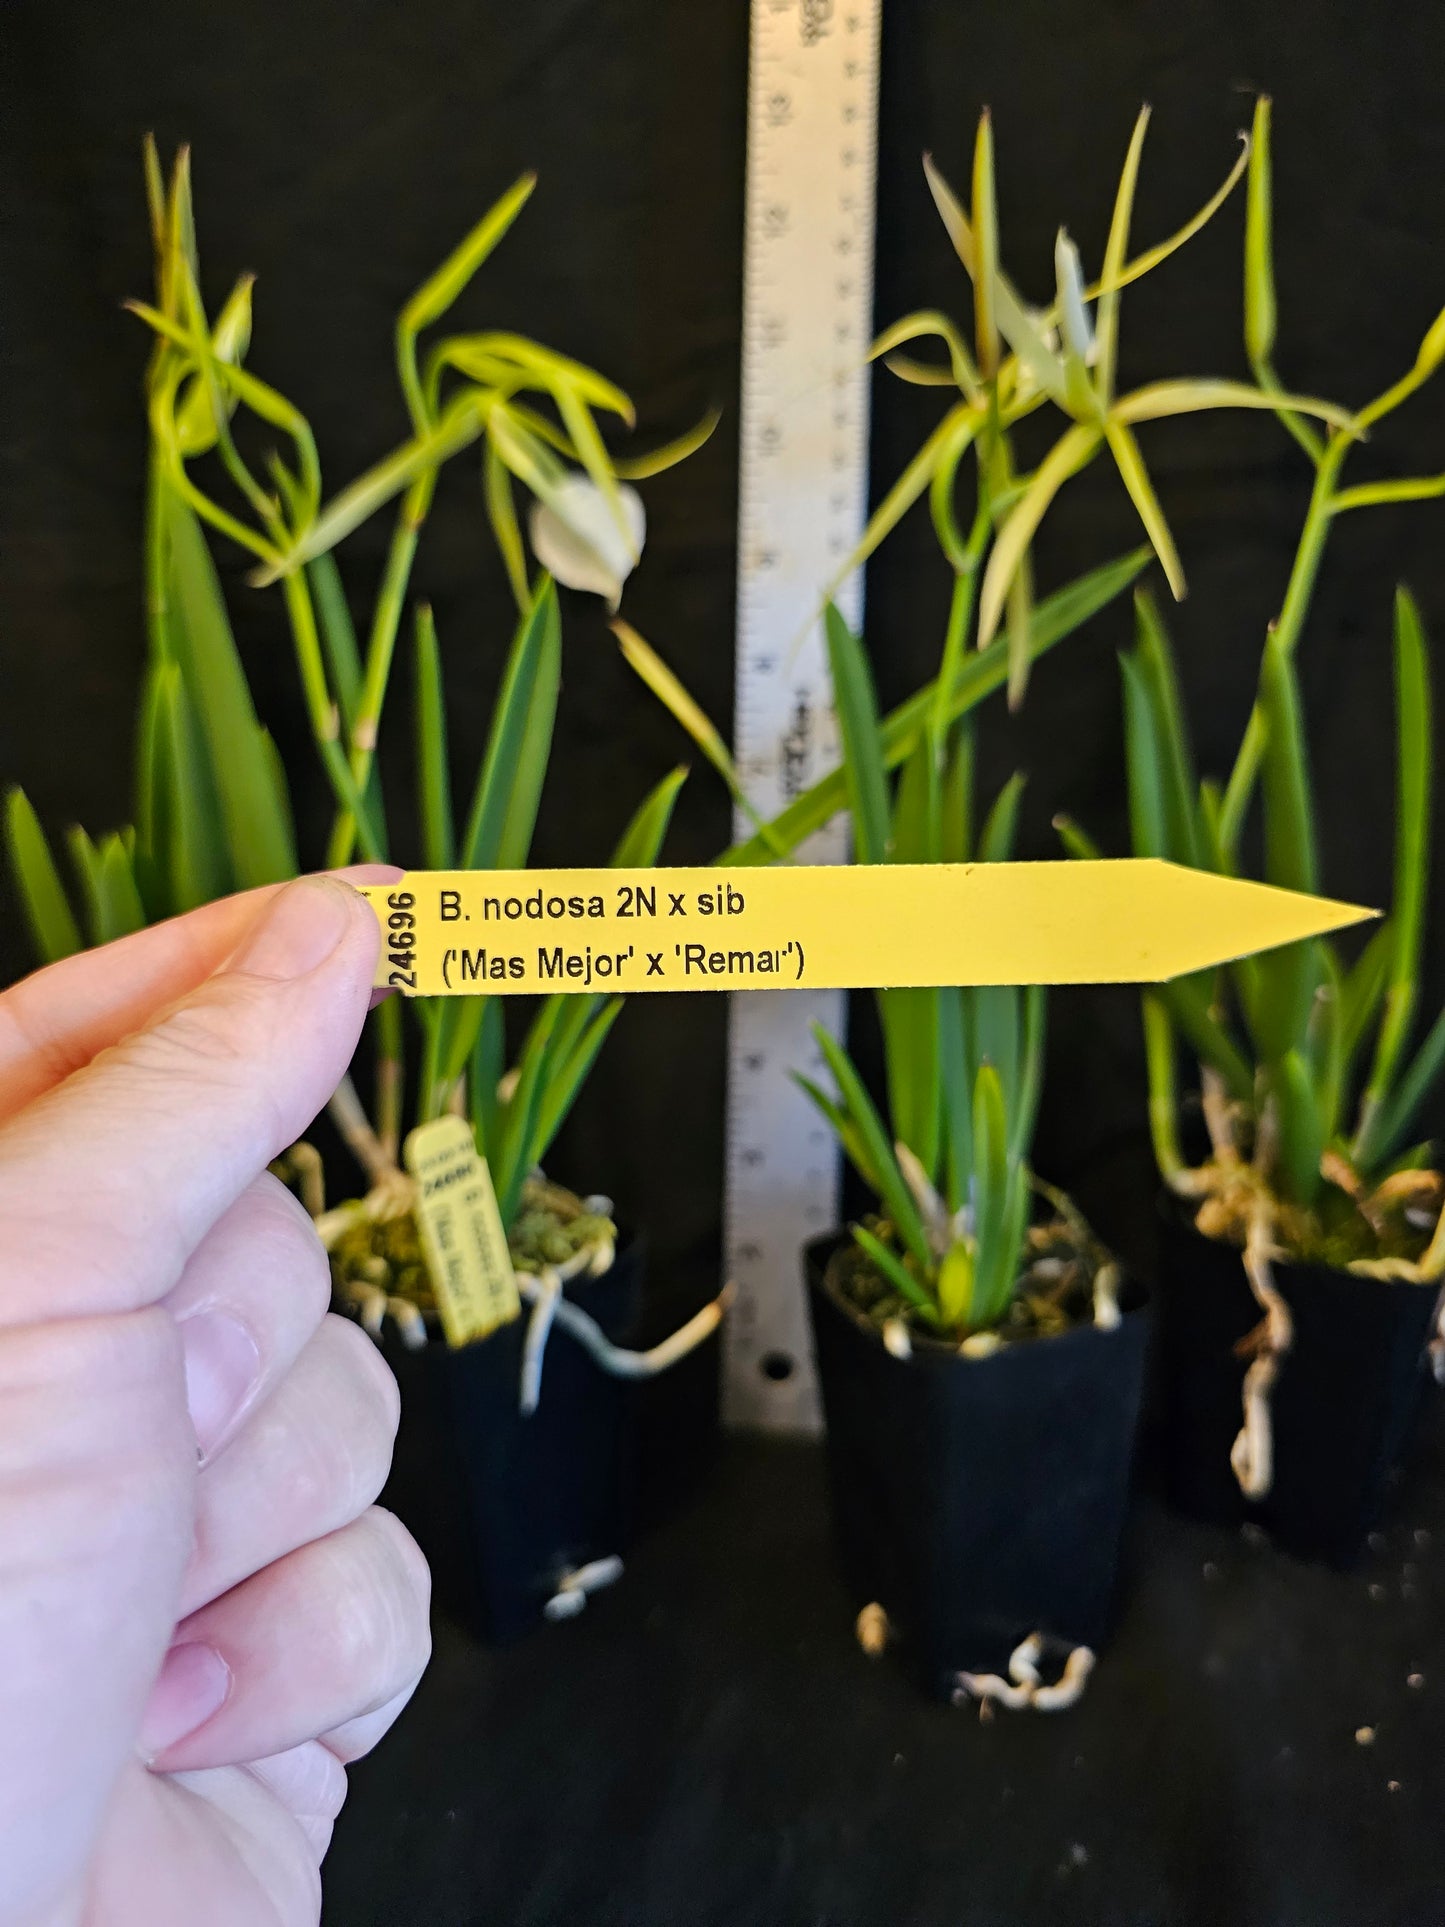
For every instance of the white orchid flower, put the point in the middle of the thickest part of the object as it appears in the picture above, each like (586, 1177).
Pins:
(579, 537)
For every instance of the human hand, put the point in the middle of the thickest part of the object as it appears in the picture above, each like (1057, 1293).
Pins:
(202, 1615)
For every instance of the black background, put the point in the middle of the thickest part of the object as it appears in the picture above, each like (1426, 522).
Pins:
(340, 150)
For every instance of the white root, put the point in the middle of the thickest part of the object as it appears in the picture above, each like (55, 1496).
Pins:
(310, 1175)
(1107, 1315)
(1025, 1687)
(350, 1119)
(1068, 1689)
(1252, 1455)
(573, 1587)
(897, 1340)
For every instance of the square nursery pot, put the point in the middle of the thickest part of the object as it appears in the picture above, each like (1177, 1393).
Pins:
(505, 1504)
(978, 1500)
(1343, 1404)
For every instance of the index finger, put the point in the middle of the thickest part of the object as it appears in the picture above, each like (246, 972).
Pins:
(109, 1181)
(55, 1021)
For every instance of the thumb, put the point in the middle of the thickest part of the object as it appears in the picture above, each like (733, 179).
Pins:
(109, 1182)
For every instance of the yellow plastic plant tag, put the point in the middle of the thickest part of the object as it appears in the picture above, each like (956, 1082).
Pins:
(849, 926)
(461, 1231)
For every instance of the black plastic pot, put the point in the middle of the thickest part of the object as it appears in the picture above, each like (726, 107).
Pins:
(1342, 1408)
(978, 1500)
(504, 1505)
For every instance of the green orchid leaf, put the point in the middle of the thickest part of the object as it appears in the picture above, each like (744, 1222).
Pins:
(1414, 786)
(1000, 830)
(1058, 616)
(1301, 1128)
(51, 920)
(1402, 1106)
(562, 1086)
(896, 1198)
(509, 786)
(257, 835)
(897, 1274)
(843, 1129)
(863, 766)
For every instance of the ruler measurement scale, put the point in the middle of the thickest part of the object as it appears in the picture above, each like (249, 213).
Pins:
(807, 318)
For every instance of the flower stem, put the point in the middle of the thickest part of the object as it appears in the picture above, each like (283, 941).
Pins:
(380, 650)
(323, 713)
(1288, 626)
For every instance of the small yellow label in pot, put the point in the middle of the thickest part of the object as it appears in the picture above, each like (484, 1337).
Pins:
(461, 1231)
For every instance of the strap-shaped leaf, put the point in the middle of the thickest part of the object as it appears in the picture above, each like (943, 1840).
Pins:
(256, 833)
(1287, 978)
(434, 781)
(896, 1272)
(566, 1076)
(641, 841)
(1301, 1128)
(863, 768)
(42, 895)
(956, 1074)
(1364, 987)
(1057, 617)
(1000, 830)
(509, 786)
(909, 1018)
(1400, 1108)
(1147, 830)
(1034, 998)
(191, 862)
(85, 861)
(990, 1190)
(518, 1122)
(893, 1192)
(121, 909)
(488, 1060)
(843, 1127)
(956, 805)
(1413, 777)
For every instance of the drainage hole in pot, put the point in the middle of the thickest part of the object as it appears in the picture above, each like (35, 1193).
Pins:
(777, 1366)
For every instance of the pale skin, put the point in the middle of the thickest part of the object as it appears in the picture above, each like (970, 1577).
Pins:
(203, 1615)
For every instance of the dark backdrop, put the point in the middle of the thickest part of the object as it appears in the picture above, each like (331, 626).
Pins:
(341, 149)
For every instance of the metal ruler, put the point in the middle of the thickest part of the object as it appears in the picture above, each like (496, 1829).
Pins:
(807, 318)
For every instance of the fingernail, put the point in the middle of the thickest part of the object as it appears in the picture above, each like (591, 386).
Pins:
(223, 1367)
(298, 930)
(194, 1683)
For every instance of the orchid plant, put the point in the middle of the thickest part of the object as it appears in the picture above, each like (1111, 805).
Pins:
(1298, 1162)
(1024, 359)
(211, 808)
